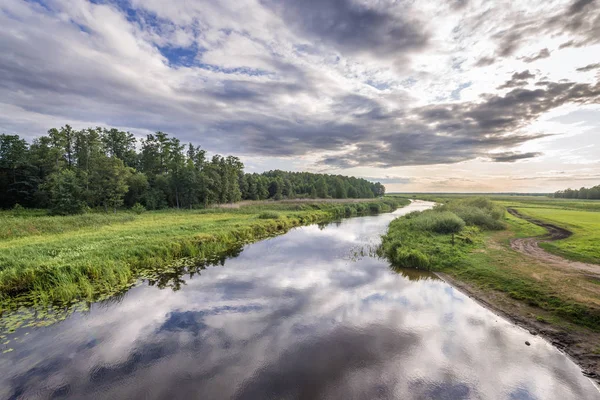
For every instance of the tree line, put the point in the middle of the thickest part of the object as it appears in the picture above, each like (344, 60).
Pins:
(69, 171)
(592, 193)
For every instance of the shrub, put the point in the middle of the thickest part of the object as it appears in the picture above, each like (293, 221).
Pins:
(477, 211)
(18, 209)
(437, 221)
(411, 259)
(374, 207)
(268, 215)
(479, 217)
(138, 208)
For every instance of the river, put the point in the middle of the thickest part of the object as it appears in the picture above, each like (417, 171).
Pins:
(309, 314)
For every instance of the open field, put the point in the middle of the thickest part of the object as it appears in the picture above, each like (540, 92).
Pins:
(82, 257)
(583, 245)
(511, 200)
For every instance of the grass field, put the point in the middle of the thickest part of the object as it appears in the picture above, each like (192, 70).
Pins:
(583, 221)
(53, 259)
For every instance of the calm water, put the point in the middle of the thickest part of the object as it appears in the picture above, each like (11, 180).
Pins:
(305, 315)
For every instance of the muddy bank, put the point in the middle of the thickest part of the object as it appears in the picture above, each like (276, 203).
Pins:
(579, 344)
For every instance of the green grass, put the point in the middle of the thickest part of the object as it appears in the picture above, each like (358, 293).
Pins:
(523, 228)
(438, 238)
(59, 259)
(584, 244)
(38, 222)
(510, 200)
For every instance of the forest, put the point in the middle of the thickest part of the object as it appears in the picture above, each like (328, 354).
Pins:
(592, 193)
(71, 171)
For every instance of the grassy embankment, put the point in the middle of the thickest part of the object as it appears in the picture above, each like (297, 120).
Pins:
(92, 256)
(481, 255)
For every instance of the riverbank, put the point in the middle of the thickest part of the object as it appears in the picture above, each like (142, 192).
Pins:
(559, 303)
(89, 257)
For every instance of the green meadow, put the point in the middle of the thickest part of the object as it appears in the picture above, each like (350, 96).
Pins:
(580, 217)
(66, 258)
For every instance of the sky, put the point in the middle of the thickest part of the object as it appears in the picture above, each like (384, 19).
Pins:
(441, 96)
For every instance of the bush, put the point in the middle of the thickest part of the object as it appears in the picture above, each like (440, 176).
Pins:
(477, 211)
(374, 207)
(437, 222)
(18, 209)
(268, 215)
(411, 259)
(138, 208)
(479, 217)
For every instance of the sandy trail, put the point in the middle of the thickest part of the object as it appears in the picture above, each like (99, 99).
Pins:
(530, 246)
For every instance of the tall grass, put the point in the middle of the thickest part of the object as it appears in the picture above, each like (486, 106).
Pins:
(87, 256)
(477, 211)
(439, 237)
(437, 222)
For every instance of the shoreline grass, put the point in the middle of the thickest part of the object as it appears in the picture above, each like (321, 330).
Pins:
(61, 259)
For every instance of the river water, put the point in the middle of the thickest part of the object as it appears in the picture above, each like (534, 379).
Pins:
(309, 314)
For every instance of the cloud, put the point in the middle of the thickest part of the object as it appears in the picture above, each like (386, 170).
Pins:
(512, 156)
(355, 28)
(579, 21)
(451, 133)
(589, 67)
(391, 179)
(485, 61)
(543, 53)
(518, 79)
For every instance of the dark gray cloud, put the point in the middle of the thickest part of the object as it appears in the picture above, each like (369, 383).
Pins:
(450, 133)
(512, 156)
(543, 53)
(459, 4)
(589, 67)
(580, 19)
(355, 28)
(518, 79)
(509, 43)
(485, 61)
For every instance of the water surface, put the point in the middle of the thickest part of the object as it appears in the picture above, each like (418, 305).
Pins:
(309, 314)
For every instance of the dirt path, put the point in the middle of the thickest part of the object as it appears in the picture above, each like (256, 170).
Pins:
(530, 246)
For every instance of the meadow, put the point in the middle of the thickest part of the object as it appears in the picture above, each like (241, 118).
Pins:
(66, 258)
(580, 217)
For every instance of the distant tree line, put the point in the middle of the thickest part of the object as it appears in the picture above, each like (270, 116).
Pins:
(70, 170)
(592, 193)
